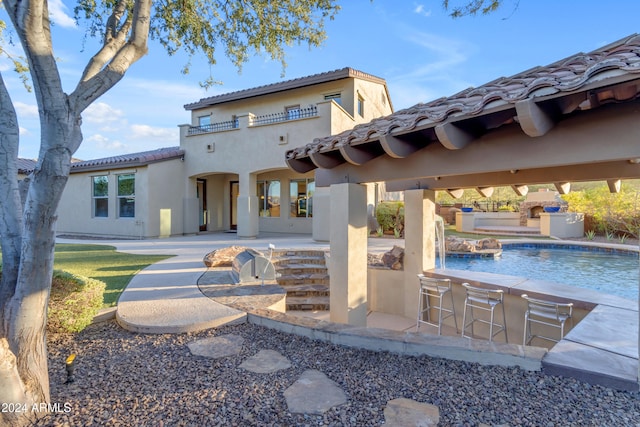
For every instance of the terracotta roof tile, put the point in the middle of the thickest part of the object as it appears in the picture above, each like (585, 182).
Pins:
(127, 160)
(570, 74)
(329, 76)
(26, 166)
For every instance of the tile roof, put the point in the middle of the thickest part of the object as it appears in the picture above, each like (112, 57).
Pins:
(314, 79)
(615, 63)
(26, 166)
(129, 160)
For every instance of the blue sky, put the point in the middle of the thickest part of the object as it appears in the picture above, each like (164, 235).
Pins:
(421, 52)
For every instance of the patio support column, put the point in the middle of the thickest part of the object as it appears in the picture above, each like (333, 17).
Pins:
(190, 204)
(321, 214)
(247, 207)
(419, 243)
(348, 260)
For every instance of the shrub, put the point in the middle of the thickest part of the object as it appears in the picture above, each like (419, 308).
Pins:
(74, 302)
(390, 215)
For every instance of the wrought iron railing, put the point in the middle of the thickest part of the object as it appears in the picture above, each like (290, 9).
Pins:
(213, 127)
(292, 114)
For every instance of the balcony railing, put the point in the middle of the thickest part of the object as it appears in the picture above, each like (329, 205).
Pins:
(294, 114)
(213, 127)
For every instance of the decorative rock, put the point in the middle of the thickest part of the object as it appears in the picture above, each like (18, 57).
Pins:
(488, 243)
(394, 258)
(409, 413)
(455, 244)
(216, 347)
(222, 257)
(313, 393)
(266, 362)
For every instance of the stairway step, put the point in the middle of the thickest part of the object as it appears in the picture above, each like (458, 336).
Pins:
(302, 272)
(306, 275)
(298, 254)
(307, 290)
(308, 303)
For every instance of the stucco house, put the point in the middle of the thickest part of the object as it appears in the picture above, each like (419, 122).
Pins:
(229, 172)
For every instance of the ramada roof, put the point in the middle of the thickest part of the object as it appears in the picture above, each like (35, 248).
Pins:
(129, 160)
(579, 82)
(314, 79)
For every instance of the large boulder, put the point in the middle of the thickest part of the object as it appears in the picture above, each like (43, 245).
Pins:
(222, 257)
(488, 243)
(394, 259)
(456, 244)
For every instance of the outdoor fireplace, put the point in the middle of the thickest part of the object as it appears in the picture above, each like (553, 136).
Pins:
(534, 205)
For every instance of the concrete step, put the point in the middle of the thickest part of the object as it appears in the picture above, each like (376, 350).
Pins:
(306, 269)
(308, 303)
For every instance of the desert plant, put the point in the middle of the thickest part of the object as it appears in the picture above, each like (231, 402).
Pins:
(387, 215)
(74, 302)
(379, 232)
(623, 238)
(590, 234)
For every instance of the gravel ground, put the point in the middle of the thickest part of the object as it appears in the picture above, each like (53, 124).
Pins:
(128, 379)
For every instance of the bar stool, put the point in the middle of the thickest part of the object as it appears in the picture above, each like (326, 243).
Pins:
(484, 300)
(548, 313)
(434, 288)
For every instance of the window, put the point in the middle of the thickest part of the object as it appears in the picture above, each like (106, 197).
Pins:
(204, 120)
(293, 112)
(301, 197)
(127, 196)
(361, 106)
(269, 198)
(337, 97)
(100, 196)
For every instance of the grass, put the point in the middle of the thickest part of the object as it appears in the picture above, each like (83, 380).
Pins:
(102, 262)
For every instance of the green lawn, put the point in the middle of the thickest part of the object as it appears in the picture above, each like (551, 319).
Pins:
(104, 263)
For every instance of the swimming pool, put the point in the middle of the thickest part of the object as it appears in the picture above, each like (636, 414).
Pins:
(614, 273)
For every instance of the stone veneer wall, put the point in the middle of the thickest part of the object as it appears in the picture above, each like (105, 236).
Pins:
(525, 208)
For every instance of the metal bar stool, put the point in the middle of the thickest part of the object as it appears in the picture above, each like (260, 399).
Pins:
(548, 313)
(484, 300)
(434, 288)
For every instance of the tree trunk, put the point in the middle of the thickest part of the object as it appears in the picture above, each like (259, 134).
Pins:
(25, 313)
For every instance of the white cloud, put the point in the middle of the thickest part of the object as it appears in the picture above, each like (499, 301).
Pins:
(420, 10)
(26, 110)
(102, 113)
(24, 131)
(157, 133)
(104, 143)
(58, 14)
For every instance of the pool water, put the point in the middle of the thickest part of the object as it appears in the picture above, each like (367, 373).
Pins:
(611, 273)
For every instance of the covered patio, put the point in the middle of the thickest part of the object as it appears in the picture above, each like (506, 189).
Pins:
(573, 120)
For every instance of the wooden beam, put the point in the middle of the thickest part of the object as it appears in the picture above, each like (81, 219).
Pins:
(357, 155)
(485, 191)
(452, 136)
(303, 165)
(614, 185)
(534, 121)
(456, 193)
(520, 190)
(563, 187)
(398, 148)
(327, 161)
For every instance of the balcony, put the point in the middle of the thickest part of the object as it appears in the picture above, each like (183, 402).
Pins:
(213, 127)
(293, 114)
